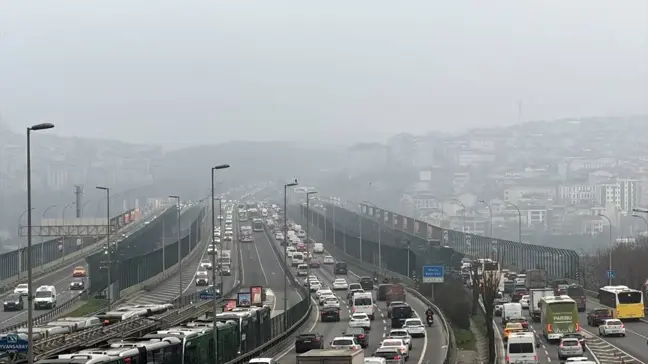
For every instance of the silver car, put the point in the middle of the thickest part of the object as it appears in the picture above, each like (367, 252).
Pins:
(391, 354)
(569, 347)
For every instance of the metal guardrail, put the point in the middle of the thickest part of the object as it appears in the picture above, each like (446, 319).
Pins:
(559, 263)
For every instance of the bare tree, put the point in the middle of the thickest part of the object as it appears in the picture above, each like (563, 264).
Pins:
(475, 288)
(628, 261)
(489, 283)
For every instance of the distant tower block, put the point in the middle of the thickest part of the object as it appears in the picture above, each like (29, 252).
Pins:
(137, 203)
(78, 192)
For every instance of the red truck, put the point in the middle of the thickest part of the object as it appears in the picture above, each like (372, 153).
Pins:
(395, 292)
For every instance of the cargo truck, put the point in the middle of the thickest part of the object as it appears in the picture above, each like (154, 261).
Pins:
(536, 278)
(395, 292)
(535, 295)
(331, 356)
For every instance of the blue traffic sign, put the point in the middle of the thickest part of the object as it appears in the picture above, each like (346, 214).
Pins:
(433, 273)
(611, 274)
(14, 342)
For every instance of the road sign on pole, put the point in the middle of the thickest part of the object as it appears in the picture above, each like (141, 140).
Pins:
(468, 240)
(445, 236)
(433, 273)
(611, 274)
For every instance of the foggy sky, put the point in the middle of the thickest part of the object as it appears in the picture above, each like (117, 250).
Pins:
(189, 72)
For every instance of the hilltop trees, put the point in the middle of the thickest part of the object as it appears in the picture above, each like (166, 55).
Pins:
(628, 262)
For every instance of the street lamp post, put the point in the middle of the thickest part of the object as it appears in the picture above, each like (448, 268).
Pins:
(181, 286)
(642, 218)
(285, 244)
(20, 251)
(83, 206)
(379, 234)
(490, 214)
(519, 220)
(42, 255)
(30, 294)
(110, 248)
(213, 244)
(611, 247)
(463, 215)
(308, 241)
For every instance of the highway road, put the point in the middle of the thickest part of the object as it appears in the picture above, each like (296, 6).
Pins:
(631, 348)
(262, 267)
(61, 280)
(168, 290)
(428, 349)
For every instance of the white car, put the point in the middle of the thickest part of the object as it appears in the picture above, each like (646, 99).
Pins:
(612, 327)
(360, 320)
(279, 236)
(328, 260)
(331, 302)
(310, 279)
(228, 228)
(415, 327)
(340, 284)
(402, 334)
(315, 286)
(206, 265)
(396, 343)
(323, 291)
(524, 301)
(345, 342)
(324, 297)
(21, 289)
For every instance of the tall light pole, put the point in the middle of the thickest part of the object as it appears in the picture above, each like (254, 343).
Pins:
(611, 247)
(519, 220)
(42, 257)
(110, 248)
(642, 218)
(490, 214)
(285, 244)
(177, 198)
(83, 206)
(65, 208)
(463, 215)
(308, 242)
(30, 292)
(380, 222)
(213, 259)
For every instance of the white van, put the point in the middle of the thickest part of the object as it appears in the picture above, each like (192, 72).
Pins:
(363, 303)
(45, 297)
(302, 270)
(318, 248)
(521, 348)
(510, 310)
(297, 259)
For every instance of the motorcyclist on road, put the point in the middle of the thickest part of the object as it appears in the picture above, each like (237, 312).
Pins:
(429, 312)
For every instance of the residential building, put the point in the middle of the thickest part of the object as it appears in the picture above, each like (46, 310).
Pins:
(623, 194)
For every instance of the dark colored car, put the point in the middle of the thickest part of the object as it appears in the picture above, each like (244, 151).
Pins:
(399, 314)
(77, 284)
(340, 268)
(360, 334)
(308, 341)
(330, 314)
(579, 336)
(518, 293)
(367, 283)
(598, 316)
(14, 302)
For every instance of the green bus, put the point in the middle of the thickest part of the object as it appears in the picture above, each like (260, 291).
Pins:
(558, 316)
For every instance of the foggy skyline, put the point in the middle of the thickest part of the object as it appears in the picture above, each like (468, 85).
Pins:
(204, 72)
